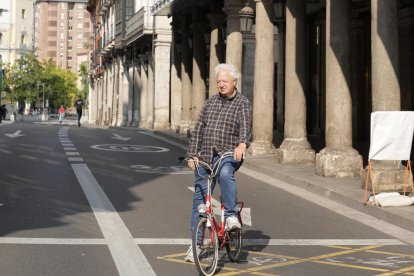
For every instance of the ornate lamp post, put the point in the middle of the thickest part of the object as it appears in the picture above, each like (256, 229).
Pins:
(246, 16)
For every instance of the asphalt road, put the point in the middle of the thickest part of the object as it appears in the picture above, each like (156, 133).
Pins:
(93, 201)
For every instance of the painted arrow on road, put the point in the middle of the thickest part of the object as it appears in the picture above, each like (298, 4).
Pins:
(119, 137)
(246, 213)
(14, 135)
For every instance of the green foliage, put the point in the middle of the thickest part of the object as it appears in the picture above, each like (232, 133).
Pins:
(83, 74)
(30, 79)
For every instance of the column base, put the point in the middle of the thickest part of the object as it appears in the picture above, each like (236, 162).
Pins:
(184, 128)
(387, 176)
(161, 125)
(143, 124)
(295, 151)
(344, 162)
(260, 147)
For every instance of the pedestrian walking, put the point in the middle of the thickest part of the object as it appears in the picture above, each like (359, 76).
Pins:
(79, 105)
(3, 112)
(61, 112)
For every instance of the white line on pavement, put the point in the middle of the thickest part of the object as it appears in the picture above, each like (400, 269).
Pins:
(377, 224)
(127, 256)
(246, 242)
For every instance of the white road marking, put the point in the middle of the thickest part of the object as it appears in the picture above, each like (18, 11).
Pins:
(119, 137)
(67, 145)
(377, 224)
(72, 153)
(69, 148)
(14, 135)
(127, 256)
(75, 159)
(246, 212)
(246, 242)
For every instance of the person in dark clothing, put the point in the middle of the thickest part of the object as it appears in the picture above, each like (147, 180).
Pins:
(79, 105)
(3, 112)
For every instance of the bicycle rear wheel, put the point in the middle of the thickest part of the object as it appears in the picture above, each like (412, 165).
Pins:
(234, 244)
(205, 247)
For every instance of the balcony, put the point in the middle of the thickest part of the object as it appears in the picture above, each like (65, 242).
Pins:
(139, 24)
(161, 7)
(107, 3)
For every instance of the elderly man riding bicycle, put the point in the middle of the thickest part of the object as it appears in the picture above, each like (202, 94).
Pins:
(224, 124)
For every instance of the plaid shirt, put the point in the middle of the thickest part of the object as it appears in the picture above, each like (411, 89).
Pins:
(221, 126)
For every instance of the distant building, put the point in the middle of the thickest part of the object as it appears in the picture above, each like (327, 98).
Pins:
(16, 21)
(62, 31)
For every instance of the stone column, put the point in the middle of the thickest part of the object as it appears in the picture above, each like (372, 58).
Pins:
(295, 147)
(136, 86)
(186, 70)
(176, 84)
(150, 99)
(117, 96)
(384, 52)
(234, 43)
(115, 91)
(162, 61)
(91, 99)
(386, 175)
(216, 48)
(123, 95)
(263, 79)
(130, 102)
(143, 106)
(338, 158)
(199, 71)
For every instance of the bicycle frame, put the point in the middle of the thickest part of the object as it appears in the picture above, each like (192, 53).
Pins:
(207, 210)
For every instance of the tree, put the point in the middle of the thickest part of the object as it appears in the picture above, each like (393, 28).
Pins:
(22, 77)
(83, 74)
(27, 78)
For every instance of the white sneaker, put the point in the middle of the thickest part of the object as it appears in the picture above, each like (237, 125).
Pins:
(232, 223)
(189, 258)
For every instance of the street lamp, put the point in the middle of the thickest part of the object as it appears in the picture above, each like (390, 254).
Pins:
(280, 11)
(246, 16)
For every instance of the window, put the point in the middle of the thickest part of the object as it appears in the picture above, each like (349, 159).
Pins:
(69, 58)
(1, 38)
(70, 37)
(70, 18)
(80, 25)
(70, 28)
(23, 13)
(79, 36)
(23, 40)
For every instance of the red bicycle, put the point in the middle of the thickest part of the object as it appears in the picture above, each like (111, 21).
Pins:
(209, 235)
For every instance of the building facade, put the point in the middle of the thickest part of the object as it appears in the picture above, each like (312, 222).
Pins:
(62, 32)
(130, 60)
(16, 28)
(314, 70)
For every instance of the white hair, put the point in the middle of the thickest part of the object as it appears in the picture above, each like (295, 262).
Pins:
(227, 67)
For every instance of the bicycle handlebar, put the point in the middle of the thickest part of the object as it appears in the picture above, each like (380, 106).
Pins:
(213, 168)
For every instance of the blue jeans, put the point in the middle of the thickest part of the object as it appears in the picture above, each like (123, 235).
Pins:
(227, 183)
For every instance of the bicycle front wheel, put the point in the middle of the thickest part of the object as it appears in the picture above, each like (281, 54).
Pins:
(234, 244)
(205, 247)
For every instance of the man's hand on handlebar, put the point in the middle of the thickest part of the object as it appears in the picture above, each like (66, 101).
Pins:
(191, 162)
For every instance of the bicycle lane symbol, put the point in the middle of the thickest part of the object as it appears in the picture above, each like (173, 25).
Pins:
(129, 148)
